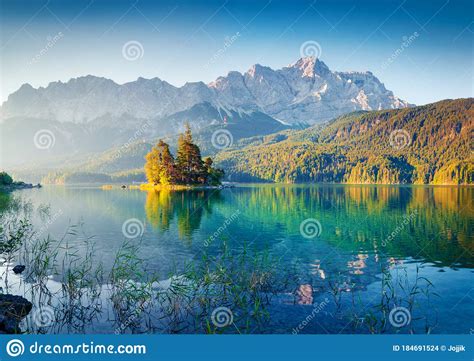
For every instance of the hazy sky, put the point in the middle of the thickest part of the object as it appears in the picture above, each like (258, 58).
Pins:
(421, 50)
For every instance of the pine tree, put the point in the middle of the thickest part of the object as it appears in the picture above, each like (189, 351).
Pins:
(188, 159)
(198, 172)
(208, 164)
(188, 168)
(5, 178)
(182, 160)
(213, 175)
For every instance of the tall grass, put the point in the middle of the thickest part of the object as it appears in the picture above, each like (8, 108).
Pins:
(66, 277)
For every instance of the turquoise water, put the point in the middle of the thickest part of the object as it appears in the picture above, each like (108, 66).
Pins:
(353, 235)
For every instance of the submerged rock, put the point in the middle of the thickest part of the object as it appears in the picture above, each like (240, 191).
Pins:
(18, 269)
(12, 310)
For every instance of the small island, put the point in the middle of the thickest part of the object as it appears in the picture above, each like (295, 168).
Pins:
(187, 170)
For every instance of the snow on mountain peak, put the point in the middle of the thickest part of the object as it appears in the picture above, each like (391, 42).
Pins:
(258, 70)
(304, 91)
(310, 66)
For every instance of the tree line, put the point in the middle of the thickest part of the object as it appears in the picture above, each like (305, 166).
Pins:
(188, 168)
(356, 148)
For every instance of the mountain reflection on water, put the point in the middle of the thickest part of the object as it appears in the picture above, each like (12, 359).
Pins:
(365, 231)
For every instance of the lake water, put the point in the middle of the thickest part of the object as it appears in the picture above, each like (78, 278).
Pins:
(336, 242)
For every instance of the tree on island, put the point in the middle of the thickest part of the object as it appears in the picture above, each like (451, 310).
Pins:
(152, 165)
(188, 167)
(160, 165)
(5, 178)
(188, 159)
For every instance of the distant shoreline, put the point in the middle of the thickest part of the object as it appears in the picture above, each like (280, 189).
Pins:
(19, 185)
(159, 187)
(236, 184)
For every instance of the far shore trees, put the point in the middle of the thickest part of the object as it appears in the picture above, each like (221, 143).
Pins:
(5, 178)
(161, 168)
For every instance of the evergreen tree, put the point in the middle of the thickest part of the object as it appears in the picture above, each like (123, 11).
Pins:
(198, 171)
(182, 160)
(213, 176)
(5, 178)
(188, 168)
(188, 159)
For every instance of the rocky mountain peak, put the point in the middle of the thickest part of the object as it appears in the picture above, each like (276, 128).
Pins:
(310, 66)
(304, 91)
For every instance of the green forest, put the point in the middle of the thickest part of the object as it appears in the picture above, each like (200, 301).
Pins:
(429, 144)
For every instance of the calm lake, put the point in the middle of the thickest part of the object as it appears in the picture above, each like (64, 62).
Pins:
(337, 244)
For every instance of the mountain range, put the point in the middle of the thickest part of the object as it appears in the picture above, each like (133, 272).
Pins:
(89, 115)
(305, 91)
(301, 123)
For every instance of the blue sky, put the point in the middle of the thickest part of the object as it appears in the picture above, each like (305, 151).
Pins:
(180, 41)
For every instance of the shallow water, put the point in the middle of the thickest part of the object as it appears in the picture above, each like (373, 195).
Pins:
(328, 236)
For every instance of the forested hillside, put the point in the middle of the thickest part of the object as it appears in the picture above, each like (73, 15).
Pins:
(429, 144)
